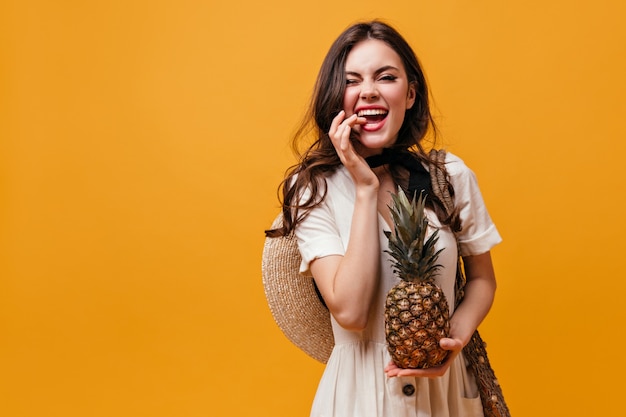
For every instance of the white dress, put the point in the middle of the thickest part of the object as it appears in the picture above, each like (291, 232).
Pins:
(354, 383)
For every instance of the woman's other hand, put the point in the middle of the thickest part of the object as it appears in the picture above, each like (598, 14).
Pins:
(453, 345)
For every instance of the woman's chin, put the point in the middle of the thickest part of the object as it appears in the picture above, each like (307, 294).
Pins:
(370, 146)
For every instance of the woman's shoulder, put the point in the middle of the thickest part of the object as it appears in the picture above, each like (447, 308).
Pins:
(339, 184)
(455, 166)
(339, 177)
(330, 184)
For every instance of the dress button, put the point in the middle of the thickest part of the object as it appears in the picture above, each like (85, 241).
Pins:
(408, 390)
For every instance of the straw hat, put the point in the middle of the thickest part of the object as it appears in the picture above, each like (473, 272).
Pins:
(292, 297)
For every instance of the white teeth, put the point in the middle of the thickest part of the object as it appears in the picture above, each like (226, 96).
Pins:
(372, 112)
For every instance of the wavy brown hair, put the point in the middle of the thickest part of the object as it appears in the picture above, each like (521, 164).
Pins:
(304, 186)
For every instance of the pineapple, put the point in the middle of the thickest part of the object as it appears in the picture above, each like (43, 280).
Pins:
(416, 309)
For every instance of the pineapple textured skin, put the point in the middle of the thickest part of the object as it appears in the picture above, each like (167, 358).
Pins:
(416, 319)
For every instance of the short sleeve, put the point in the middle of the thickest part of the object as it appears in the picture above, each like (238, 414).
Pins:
(479, 234)
(318, 236)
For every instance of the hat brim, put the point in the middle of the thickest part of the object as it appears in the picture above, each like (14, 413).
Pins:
(293, 299)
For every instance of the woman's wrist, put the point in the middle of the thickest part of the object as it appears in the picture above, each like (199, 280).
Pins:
(461, 332)
(367, 191)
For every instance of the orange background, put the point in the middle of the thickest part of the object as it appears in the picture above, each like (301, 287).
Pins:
(142, 143)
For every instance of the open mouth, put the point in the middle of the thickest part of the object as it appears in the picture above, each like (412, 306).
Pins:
(373, 115)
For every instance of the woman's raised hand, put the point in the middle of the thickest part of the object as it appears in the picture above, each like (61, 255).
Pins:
(339, 134)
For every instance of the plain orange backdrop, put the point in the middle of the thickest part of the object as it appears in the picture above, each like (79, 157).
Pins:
(141, 146)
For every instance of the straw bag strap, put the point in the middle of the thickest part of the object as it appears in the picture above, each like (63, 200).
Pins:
(439, 181)
(475, 351)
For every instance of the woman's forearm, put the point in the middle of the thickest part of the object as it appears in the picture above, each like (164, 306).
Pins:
(349, 282)
(479, 295)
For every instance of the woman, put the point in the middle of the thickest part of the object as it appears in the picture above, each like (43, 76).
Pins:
(371, 99)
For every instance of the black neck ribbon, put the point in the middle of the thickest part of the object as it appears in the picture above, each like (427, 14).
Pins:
(419, 178)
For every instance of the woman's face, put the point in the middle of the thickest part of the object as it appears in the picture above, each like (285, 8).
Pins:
(377, 88)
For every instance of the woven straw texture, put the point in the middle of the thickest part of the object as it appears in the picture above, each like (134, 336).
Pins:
(292, 298)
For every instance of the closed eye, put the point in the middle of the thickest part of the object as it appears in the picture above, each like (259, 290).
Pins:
(388, 77)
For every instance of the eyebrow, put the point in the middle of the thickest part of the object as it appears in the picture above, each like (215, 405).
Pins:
(378, 71)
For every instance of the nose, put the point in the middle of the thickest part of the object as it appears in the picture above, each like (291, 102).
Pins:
(368, 90)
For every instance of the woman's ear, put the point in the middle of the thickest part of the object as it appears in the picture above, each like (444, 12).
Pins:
(411, 94)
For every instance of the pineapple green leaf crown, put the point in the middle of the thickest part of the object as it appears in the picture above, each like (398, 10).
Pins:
(414, 256)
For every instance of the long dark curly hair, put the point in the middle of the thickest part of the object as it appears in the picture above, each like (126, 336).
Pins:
(320, 158)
